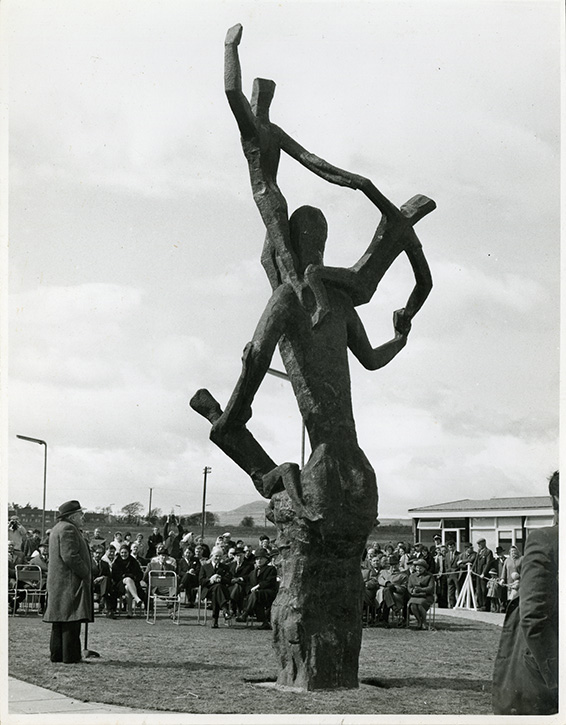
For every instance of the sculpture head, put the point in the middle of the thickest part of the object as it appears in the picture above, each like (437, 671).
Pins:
(309, 230)
(262, 95)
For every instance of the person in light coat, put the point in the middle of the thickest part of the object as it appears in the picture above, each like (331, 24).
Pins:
(69, 584)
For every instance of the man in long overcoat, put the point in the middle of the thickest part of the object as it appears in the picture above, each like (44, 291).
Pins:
(525, 678)
(69, 584)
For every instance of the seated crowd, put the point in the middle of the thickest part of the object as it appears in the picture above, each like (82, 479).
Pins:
(236, 581)
(404, 581)
(232, 579)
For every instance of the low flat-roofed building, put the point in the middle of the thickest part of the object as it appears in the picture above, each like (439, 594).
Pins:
(500, 521)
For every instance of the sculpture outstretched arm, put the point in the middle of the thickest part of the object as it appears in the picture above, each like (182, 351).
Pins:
(423, 277)
(233, 84)
(373, 358)
(313, 163)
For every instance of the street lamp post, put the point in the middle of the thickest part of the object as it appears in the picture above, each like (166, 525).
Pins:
(41, 443)
(206, 471)
(284, 376)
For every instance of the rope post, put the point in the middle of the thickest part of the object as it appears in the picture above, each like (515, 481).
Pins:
(467, 597)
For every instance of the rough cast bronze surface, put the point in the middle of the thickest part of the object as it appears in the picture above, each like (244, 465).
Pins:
(324, 512)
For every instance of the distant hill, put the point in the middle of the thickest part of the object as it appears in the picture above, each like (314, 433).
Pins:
(256, 509)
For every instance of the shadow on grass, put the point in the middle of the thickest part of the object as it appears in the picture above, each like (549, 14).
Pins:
(429, 683)
(186, 666)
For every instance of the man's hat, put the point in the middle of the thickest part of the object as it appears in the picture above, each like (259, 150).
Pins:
(262, 553)
(67, 508)
(421, 562)
(239, 550)
(481, 541)
(393, 559)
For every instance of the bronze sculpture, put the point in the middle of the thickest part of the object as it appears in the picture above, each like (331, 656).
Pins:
(324, 512)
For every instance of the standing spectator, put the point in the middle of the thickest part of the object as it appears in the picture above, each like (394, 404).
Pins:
(451, 559)
(403, 556)
(499, 559)
(441, 577)
(525, 679)
(370, 579)
(468, 557)
(98, 540)
(31, 544)
(69, 584)
(481, 567)
(173, 533)
(17, 533)
(152, 541)
(142, 546)
(511, 566)
(493, 591)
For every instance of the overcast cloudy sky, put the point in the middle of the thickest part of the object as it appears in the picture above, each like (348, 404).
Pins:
(134, 240)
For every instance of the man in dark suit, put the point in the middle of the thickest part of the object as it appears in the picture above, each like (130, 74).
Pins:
(452, 555)
(188, 569)
(69, 584)
(214, 579)
(263, 590)
(102, 582)
(525, 678)
(481, 566)
(240, 569)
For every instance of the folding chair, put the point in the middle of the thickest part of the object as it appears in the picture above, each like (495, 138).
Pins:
(201, 604)
(162, 589)
(29, 580)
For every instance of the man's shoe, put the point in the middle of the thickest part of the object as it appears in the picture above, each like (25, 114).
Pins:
(264, 625)
(215, 624)
(242, 618)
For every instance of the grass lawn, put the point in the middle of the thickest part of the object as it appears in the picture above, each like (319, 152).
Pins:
(195, 669)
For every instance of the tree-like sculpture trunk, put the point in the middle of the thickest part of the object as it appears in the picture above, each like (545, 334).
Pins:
(317, 616)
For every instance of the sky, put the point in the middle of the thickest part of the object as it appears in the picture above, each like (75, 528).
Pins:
(134, 242)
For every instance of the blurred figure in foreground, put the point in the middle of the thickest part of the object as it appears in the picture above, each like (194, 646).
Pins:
(525, 679)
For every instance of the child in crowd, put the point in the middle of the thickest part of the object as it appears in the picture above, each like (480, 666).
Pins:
(493, 591)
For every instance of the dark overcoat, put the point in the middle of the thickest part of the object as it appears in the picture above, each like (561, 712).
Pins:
(69, 579)
(525, 679)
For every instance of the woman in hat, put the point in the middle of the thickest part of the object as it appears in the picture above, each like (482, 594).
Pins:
(421, 590)
(69, 584)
